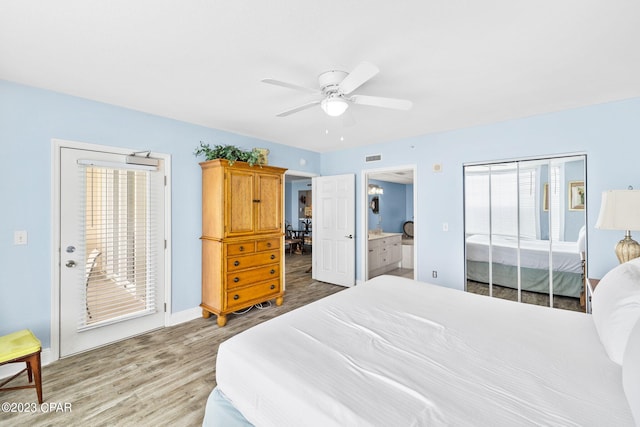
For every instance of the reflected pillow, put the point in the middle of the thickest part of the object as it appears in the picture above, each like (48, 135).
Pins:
(582, 240)
(615, 307)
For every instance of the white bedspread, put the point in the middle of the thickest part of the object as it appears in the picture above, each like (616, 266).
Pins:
(396, 352)
(533, 253)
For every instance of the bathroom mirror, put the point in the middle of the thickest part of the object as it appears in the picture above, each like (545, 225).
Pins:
(375, 204)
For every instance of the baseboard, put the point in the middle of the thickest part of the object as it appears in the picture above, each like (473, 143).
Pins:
(184, 316)
(13, 368)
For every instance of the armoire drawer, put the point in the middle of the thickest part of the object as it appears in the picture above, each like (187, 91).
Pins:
(268, 244)
(242, 248)
(251, 246)
(261, 258)
(247, 277)
(239, 297)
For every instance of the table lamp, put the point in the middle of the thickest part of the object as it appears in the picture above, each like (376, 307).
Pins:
(620, 210)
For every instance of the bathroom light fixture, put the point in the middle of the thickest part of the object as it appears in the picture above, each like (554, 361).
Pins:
(334, 105)
(375, 189)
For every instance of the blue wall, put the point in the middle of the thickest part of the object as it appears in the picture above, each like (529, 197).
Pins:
(29, 119)
(392, 207)
(608, 134)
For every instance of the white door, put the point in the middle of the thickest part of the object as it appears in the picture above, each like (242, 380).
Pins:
(333, 256)
(112, 249)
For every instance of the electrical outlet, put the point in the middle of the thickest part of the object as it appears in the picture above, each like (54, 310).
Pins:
(434, 274)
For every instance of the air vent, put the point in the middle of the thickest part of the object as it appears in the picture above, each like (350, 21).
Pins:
(373, 158)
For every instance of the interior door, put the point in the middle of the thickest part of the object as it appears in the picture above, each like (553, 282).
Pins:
(333, 255)
(112, 249)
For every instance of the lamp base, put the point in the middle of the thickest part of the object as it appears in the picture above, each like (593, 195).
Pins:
(627, 249)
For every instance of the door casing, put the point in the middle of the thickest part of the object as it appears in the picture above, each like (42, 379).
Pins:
(56, 147)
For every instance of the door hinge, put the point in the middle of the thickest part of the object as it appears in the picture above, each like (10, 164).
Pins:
(165, 243)
(165, 307)
(165, 180)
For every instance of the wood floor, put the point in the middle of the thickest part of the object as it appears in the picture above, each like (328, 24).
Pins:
(161, 378)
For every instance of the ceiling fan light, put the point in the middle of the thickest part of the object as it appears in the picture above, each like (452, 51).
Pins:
(334, 106)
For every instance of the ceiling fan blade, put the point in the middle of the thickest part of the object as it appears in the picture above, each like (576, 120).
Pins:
(363, 72)
(378, 101)
(290, 85)
(298, 108)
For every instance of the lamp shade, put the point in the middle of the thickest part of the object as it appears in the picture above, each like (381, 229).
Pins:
(620, 210)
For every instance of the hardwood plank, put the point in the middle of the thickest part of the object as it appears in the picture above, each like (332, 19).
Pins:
(159, 378)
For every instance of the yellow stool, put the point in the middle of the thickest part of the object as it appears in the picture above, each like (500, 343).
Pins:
(22, 346)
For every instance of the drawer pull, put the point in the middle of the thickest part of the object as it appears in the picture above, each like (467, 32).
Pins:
(236, 279)
(268, 244)
(236, 296)
(241, 248)
(273, 256)
(237, 263)
(273, 286)
(272, 271)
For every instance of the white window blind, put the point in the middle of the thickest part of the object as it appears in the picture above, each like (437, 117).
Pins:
(499, 213)
(120, 269)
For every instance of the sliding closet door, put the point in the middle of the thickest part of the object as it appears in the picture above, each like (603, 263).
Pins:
(523, 222)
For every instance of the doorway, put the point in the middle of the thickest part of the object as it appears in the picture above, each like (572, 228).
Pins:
(298, 217)
(389, 204)
(110, 226)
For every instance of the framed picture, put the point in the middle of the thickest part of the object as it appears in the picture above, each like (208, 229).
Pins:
(545, 200)
(576, 195)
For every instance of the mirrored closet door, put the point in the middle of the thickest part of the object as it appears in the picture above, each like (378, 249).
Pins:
(525, 230)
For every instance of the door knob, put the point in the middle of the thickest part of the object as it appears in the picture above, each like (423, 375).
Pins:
(71, 263)
(350, 236)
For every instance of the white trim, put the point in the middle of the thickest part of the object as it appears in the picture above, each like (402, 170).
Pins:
(184, 316)
(520, 159)
(56, 146)
(364, 230)
(300, 173)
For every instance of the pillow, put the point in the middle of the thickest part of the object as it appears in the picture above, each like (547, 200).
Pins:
(631, 372)
(582, 239)
(615, 307)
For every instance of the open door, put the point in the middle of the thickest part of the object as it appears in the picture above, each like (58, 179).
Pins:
(333, 254)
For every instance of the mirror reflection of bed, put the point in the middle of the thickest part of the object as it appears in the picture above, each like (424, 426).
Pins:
(525, 231)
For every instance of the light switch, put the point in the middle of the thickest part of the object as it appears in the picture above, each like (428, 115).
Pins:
(445, 226)
(20, 237)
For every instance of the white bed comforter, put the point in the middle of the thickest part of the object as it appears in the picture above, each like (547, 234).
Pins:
(533, 253)
(397, 352)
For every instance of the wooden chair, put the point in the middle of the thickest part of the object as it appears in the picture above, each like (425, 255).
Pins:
(22, 346)
(289, 239)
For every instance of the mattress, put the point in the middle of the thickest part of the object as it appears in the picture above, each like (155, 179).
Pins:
(399, 352)
(533, 253)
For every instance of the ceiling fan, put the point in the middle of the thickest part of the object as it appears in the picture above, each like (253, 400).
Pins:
(336, 88)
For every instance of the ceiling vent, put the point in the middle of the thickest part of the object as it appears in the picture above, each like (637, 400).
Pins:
(373, 158)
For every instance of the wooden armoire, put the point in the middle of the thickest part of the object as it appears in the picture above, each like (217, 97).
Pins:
(242, 236)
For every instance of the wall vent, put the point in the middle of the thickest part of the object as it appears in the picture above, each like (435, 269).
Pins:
(373, 158)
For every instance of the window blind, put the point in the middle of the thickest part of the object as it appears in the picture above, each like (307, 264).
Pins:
(120, 268)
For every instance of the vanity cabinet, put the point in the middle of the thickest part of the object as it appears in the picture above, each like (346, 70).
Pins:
(385, 253)
(242, 236)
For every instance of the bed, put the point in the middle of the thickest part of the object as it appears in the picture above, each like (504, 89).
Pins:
(534, 263)
(398, 352)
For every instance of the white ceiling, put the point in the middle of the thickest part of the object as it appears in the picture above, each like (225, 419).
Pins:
(462, 63)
